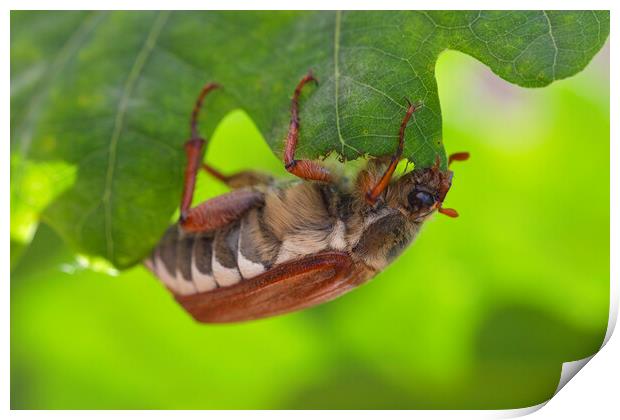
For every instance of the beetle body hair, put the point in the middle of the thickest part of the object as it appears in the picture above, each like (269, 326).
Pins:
(293, 220)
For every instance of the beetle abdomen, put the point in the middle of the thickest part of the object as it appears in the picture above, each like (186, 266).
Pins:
(189, 263)
(295, 222)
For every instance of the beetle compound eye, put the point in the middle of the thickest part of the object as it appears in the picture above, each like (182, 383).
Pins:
(420, 199)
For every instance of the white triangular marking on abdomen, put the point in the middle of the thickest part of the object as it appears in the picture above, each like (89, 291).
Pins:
(165, 276)
(203, 281)
(148, 263)
(285, 254)
(224, 276)
(185, 287)
(337, 237)
(248, 268)
(302, 244)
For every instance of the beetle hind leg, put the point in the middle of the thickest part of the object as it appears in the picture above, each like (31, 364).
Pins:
(218, 211)
(194, 149)
(240, 179)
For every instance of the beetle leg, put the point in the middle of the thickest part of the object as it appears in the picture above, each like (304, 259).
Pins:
(375, 192)
(194, 150)
(197, 106)
(218, 211)
(305, 169)
(221, 210)
(240, 179)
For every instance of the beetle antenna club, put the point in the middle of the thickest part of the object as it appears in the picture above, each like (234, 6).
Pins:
(458, 156)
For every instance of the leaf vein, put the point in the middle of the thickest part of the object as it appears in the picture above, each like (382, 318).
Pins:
(337, 76)
(555, 45)
(119, 121)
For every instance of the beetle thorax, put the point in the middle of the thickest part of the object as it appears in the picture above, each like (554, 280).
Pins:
(309, 217)
(378, 237)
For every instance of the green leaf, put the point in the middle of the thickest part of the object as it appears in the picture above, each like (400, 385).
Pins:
(110, 93)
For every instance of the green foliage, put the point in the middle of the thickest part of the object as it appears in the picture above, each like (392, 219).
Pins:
(479, 313)
(110, 93)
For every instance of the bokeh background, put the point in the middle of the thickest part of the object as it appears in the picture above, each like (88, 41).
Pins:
(479, 313)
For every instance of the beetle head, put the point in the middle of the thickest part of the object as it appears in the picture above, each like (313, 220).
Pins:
(422, 191)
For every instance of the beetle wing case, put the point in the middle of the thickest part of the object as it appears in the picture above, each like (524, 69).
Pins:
(287, 287)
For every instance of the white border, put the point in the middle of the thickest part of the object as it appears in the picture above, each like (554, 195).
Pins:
(310, 5)
(594, 391)
(5, 168)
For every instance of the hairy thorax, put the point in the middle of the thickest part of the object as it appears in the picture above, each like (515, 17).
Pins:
(310, 217)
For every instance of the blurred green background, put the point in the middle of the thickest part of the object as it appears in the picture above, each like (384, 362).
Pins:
(479, 313)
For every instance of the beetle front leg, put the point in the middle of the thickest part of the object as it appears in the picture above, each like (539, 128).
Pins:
(373, 193)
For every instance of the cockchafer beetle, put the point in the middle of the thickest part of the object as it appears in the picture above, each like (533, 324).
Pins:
(269, 247)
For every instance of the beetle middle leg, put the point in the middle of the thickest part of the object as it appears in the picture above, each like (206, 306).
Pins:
(305, 169)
